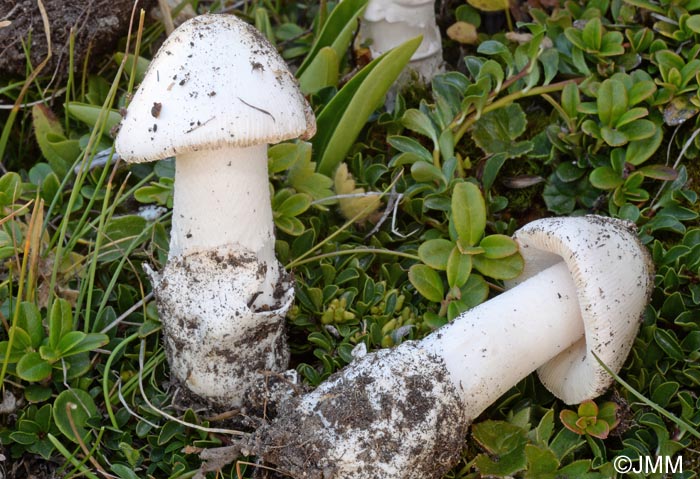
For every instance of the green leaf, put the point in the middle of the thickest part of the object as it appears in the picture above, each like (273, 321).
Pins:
(416, 120)
(543, 431)
(89, 342)
(659, 172)
(599, 429)
(141, 65)
(160, 193)
(569, 419)
(639, 151)
(663, 394)
(25, 438)
(505, 268)
(613, 137)
(345, 115)
(570, 100)
(31, 367)
(498, 246)
(302, 175)
(668, 342)
(427, 173)
(540, 461)
(427, 282)
(59, 151)
(468, 213)
(612, 44)
(22, 342)
(76, 405)
(505, 442)
(410, 145)
(29, 320)
(337, 31)
(592, 35)
(640, 91)
(631, 115)
(322, 72)
(474, 292)
(459, 266)
(120, 235)
(294, 205)
(611, 102)
(492, 167)
(291, 226)
(588, 408)
(49, 354)
(70, 340)
(605, 178)
(638, 130)
(496, 131)
(169, 430)
(90, 114)
(124, 472)
(436, 252)
(60, 321)
(608, 413)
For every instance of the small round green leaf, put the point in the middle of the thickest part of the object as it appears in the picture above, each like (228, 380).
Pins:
(435, 253)
(31, 367)
(498, 246)
(505, 268)
(73, 405)
(424, 172)
(427, 282)
(605, 178)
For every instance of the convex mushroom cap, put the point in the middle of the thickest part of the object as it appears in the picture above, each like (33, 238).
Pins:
(215, 82)
(612, 299)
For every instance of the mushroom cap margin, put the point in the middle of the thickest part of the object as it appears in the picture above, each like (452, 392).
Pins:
(216, 82)
(613, 273)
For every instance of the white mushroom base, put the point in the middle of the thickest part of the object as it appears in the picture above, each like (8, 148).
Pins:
(393, 414)
(217, 343)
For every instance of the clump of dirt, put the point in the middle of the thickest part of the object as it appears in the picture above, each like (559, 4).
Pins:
(393, 414)
(98, 24)
(218, 345)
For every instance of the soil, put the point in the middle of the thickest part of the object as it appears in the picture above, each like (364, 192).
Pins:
(99, 24)
(393, 414)
(231, 354)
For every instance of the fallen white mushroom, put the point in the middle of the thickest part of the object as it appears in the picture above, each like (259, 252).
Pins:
(403, 413)
(214, 96)
(389, 23)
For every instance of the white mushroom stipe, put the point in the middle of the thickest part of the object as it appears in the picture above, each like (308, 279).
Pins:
(230, 199)
(389, 23)
(509, 336)
(214, 96)
(402, 413)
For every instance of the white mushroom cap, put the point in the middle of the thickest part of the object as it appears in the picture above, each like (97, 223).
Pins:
(613, 274)
(215, 82)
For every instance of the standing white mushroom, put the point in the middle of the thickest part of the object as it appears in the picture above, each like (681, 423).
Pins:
(389, 23)
(214, 96)
(402, 413)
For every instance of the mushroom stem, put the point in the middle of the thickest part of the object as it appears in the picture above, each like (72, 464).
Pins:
(488, 349)
(389, 23)
(222, 198)
(402, 413)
